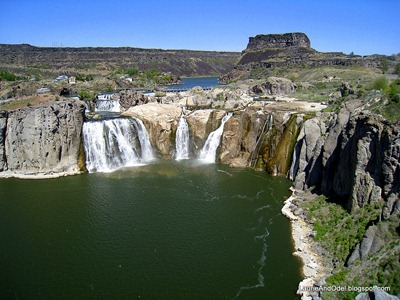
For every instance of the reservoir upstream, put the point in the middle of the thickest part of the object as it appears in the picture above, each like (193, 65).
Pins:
(165, 230)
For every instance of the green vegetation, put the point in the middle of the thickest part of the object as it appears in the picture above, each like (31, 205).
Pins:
(379, 84)
(384, 64)
(338, 232)
(145, 78)
(389, 104)
(397, 69)
(6, 75)
(82, 77)
(85, 95)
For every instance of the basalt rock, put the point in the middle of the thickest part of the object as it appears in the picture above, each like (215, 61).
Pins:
(261, 41)
(3, 125)
(275, 86)
(129, 98)
(267, 51)
(178, 62)
(44, 139)
(352, 157)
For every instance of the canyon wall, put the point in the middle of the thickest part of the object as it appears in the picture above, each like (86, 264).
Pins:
(63, 59)
(354, 158)
(42, 140)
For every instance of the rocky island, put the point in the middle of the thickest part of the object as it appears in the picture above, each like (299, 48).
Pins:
(324, 120)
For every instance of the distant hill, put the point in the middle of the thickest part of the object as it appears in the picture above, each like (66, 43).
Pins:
(106, 59)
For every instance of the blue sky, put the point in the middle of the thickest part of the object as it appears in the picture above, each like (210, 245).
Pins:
(362, 26)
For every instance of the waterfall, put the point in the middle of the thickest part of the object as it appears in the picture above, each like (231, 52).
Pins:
(115, 143)
(209, 151)
(147, 151)
(107, 105)
(182, 140)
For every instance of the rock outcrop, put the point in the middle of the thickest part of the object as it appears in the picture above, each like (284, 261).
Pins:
(275, 86)
(44, 139)
(261, 41)
(355, 158)
(267, 51)
(129, 98)
(161, 121)
(178, 62)
(377, 294)
(3, 125)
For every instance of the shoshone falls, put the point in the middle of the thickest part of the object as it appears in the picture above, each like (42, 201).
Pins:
(141, 227)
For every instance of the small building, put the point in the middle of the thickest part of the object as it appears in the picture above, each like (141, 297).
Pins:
(72, 80)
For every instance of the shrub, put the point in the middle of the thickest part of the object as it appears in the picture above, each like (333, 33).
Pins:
(393, 92)
(7, 75)
(379, 84)
(397, 69)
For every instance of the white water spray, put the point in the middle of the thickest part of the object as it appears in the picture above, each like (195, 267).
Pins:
(115, 143)
(209, 151)
(107, 105)
(182, 140)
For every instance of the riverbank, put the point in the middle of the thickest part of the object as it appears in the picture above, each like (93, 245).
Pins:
(313, 269)
(40, 175)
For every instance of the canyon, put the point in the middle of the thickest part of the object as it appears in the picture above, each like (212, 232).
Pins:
(351, 155)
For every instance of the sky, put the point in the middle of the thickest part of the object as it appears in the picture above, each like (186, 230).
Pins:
(361, 26)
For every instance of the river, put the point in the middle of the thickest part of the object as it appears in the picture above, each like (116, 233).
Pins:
(166, 230)
(191, 82)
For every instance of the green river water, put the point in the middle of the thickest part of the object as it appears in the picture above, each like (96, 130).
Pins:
(167, 230)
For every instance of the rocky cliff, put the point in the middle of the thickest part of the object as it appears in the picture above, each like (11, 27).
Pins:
(42, 140)
(179, 62)
(261, 41)
(352, 157)
(265, 52)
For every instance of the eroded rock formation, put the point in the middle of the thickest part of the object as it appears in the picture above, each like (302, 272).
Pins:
(267, 51)
(275, 86)
(44, 139)
(353, 157)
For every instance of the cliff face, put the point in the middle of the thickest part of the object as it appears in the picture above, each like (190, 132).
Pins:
(250, 135)
(179, 62)
(3, 125)
(355, 158)
(45, 139)
(267, 51)
(262, 41)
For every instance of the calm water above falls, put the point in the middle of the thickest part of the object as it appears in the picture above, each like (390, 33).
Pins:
(191, 82)
(168, 230)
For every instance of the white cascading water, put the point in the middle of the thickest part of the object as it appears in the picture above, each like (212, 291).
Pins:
(147, 150)
(107, 105)
(115, 143)
(182, 140)
(209, 151)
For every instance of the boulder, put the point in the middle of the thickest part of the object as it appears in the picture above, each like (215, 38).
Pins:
(275, 86)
